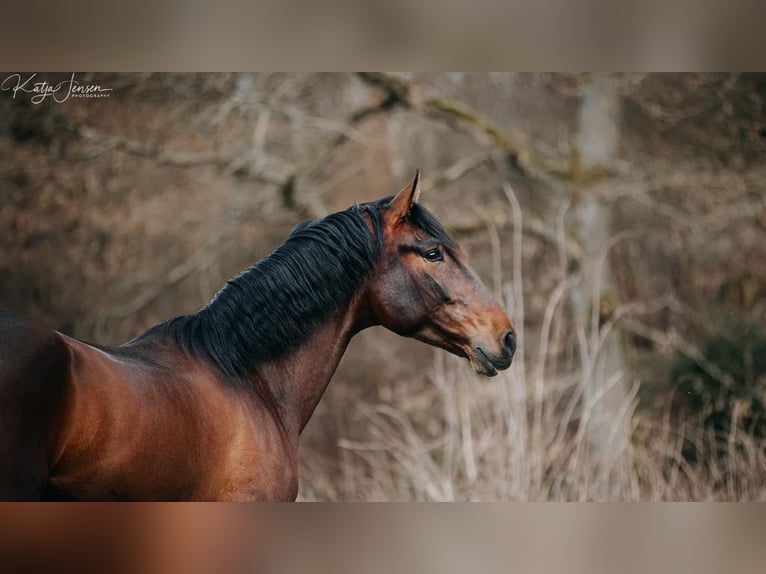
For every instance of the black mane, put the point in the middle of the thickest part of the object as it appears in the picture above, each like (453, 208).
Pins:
(278, 302)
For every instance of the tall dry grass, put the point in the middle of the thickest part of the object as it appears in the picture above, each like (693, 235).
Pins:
(528, 434)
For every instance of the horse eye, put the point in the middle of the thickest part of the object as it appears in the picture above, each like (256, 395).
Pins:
(434, 255)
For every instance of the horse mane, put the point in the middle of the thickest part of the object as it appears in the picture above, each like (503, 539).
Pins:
(278, 302)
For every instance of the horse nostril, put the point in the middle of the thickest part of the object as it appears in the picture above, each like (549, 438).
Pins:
(509, 342)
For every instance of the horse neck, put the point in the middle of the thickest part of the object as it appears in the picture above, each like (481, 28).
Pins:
(297, 381)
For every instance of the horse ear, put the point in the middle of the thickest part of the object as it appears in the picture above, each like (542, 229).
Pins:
(400, 205)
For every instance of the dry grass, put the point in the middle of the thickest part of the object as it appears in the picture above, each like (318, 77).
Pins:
(464, 439)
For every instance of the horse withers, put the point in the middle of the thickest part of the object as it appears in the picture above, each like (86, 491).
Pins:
(209, 406)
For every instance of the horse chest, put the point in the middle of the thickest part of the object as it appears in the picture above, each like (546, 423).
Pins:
(260, 463)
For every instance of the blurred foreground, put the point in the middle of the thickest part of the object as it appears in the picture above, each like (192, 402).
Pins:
(340, 539)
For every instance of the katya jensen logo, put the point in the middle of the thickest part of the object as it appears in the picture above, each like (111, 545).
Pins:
(39, 91)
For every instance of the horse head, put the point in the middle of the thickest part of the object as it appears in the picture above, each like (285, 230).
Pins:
(424, 288)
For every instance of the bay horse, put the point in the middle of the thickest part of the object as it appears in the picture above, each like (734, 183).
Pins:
(210, 406)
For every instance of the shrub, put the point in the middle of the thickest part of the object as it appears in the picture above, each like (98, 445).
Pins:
(726, 378)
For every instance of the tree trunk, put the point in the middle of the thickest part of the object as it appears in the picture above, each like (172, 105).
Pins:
(604, 386)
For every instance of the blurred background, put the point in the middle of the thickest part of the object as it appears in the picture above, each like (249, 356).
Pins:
(621, 218)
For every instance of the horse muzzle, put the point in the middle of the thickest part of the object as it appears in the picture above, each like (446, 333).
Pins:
(487, 363)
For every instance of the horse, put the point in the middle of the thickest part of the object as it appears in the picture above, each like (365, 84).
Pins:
(211, 405)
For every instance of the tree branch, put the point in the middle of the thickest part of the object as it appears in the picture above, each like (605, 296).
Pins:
(259, 167)
(401, 93)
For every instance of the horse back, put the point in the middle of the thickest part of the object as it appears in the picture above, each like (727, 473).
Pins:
(34, 375)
